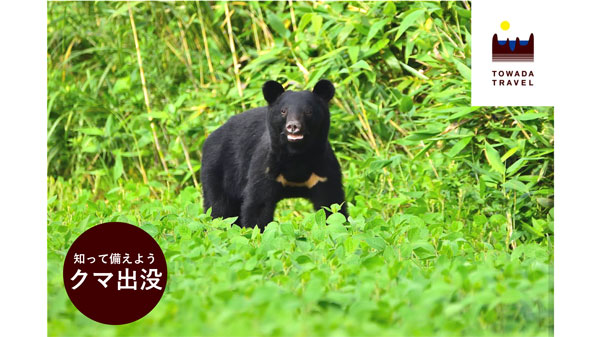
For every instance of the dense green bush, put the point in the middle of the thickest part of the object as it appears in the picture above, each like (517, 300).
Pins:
(451, 206)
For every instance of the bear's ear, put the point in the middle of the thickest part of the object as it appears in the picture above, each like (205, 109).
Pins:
(271, 90)
(324, 89)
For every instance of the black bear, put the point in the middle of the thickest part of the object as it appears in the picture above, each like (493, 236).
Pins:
(270, 153)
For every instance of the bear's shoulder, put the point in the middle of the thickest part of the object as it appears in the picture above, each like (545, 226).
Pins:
(250, 115)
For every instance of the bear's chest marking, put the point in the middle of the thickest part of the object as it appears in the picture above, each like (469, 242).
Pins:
(309, 183)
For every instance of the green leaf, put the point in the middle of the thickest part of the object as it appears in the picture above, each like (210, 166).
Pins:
(391, 60)
(377, 46)
(413, 71)
(251, 263)
(361, 65)
(423, 249)
(545, 202)
(509, 153)
(343, 35)
(529, 116)
(277, 25)
(92, 131)
(150, 229)
(497, 219)
(314, 289)
(376, 242)
(287, 229)
(320, 217)
(195, 225)
(406, 104)
(118, 167)
(458, 146)
(456, 226)
(336, 219)
(375, 27)
(516, 166)
(493, 159)
(463, 112)
(317, 22)
(421, 135)
(464, 71)
(122, 85)
(516, 185)
(306, 18)
(353, 53)
(408, 21)
(389, 8)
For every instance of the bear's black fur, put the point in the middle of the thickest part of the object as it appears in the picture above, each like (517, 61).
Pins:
(270, 153)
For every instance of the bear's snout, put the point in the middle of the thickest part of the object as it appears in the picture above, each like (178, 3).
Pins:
(293, 127)
(294, 130)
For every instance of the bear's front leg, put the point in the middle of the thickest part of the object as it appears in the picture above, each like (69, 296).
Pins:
(327, 193)
(258, 207)
(256, 213)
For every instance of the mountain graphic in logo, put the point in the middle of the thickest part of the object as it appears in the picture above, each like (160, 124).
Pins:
(512, 50)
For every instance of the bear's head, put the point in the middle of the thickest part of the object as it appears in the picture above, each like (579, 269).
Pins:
(298, 120)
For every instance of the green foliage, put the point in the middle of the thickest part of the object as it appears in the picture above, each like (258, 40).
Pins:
(407, 274)
(451, 206)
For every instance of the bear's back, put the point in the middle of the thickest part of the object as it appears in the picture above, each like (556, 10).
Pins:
(229, 149)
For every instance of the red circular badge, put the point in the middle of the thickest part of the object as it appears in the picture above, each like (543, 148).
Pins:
(115, 273)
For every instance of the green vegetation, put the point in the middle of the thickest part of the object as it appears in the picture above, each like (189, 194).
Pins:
(451, 206)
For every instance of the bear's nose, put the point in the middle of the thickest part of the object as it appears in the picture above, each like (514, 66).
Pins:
(293, 127)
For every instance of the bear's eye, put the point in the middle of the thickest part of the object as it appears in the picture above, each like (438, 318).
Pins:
(308, 112)
(283, 112)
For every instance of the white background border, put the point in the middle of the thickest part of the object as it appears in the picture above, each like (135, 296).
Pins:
(23, 167)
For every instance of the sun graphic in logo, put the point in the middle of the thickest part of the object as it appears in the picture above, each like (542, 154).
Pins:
(505, 25)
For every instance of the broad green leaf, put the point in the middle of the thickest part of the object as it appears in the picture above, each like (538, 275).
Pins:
(493, 159)
(376, 242)
(314, 289)
(375, 27)
(118, 167)
(277, 25)
(391, 60)
(463, 112)
(317, 22)
(336, 219)
(306, 18)
(343, 35)
(458, 146)
(516, 185)
(516, 166)
(406, 104)
(463, 70)
(92, 131)
(389, 8)
(377, 46)
(361, 65)
(353, 53)
(287, 229)
(251, 263)
(122, 85)
(320, 217)
(408, 21)
(530, 116)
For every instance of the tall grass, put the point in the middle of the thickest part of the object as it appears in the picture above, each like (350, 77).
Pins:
(139, 105)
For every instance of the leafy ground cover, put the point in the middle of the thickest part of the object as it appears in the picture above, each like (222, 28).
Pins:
(450, 229)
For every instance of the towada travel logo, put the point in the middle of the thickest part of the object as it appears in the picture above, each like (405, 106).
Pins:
(512, 51)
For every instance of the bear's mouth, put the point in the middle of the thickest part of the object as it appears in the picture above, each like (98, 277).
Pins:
(294, 137)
